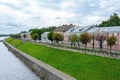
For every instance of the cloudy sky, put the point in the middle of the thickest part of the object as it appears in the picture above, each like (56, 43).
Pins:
(18, 15)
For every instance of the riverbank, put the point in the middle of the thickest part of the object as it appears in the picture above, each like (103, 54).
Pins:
(79, 65)
(42, 69)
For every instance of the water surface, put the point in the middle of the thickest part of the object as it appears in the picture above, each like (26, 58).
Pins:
(11, 68)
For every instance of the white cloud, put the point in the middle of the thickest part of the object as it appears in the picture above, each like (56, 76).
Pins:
(91, 19)
(26, 14)
(66, 5)
(109, 5)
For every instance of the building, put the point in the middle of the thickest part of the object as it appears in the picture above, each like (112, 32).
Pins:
(25, 36)
(44, 37)
(77, 30)
(69, 31)
(62, 30)
(108, 31)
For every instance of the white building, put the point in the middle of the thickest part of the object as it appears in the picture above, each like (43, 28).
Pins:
(77, 30)
(44, 37)
(26, 36)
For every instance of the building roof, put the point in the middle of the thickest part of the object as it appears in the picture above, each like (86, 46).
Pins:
(79, 29)
(105, 29)
(64, 28)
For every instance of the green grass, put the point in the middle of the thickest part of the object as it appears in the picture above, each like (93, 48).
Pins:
(9, 39)
(14, 42)
(79, 65)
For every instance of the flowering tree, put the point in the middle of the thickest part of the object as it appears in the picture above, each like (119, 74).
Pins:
(111, 40)
(100, 38)
(85, 38)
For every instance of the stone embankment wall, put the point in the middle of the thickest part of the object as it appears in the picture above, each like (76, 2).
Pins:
(45, 71)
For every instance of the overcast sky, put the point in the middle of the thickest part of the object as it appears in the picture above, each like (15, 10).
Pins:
(18, 15)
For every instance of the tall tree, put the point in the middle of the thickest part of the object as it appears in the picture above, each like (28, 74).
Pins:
(111, 40)
(93, 40)
(114, 20)
(42, 30)
(37, 31)
(85, 38)
(51, 36)
(59, 37)
(35, 36)
(15, 35)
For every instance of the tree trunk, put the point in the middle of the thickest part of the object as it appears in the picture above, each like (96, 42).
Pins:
(57, 42)
(74, 45)
(78, 45)
(71, 44)
(85, 45)
(101, 45)
(52, 42)
(93, 44)
(110, 48)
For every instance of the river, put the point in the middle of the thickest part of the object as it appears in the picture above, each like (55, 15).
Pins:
(11, 68)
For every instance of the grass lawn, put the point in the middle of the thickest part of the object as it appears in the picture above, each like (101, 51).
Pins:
(79, 65)
(14, 42)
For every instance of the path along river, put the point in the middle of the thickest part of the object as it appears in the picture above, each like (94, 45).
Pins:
(11, 68)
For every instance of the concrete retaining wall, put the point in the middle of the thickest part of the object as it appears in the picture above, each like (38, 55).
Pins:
(42, 69)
